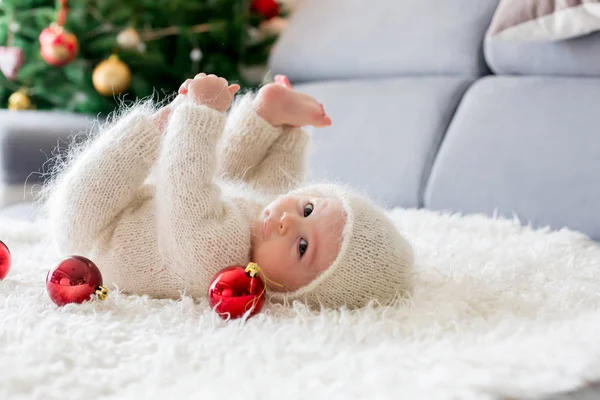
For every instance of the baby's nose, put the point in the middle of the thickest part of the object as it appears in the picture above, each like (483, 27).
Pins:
(285, 223)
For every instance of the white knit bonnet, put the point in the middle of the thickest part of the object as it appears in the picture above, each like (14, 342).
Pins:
(375, 262)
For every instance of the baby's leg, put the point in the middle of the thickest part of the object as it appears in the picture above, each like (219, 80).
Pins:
(280, 105)
(262, 145)
(103, 180)
(284, 164)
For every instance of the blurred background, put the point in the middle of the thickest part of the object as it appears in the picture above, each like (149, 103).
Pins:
(81, 56)
(464, 106)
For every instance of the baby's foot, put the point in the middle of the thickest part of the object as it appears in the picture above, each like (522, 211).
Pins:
(280, 105)
(283, 81)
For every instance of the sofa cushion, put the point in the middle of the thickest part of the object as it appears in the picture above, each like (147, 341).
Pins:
(29, 138)
(544, 19)
(358, 38)
(384, 135)
(579, 56)
(527, 146)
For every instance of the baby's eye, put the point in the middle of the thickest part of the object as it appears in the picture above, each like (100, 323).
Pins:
(308, 209)
(302, 247)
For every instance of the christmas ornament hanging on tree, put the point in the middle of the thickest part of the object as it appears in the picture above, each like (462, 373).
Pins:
(236, 290)
(11, 60)
(75, 280)
(19, 101)
(4, 260)
(267, 8)
(196, 55)
(129, 39)
(57, 45)
(111, 76)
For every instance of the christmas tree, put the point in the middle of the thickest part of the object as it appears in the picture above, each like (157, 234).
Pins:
(86, 56)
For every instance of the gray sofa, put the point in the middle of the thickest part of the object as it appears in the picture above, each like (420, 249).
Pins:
(426, 113)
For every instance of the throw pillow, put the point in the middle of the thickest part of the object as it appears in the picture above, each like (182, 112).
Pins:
(545, 20)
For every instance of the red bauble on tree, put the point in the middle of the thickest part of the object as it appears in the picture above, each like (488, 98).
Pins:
(236, 290)
(267, 8)
(58, 46)
(4, 260)
(74, 280)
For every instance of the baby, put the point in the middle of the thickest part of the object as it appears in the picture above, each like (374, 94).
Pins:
(163, 200)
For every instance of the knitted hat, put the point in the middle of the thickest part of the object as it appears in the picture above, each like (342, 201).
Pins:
(374, 263)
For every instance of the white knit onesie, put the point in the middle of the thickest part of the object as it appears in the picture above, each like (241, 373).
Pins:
(211, 175)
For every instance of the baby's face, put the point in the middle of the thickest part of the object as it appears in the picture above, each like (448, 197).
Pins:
(296, 238)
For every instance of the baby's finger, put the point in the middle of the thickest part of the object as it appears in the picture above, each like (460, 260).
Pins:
(200, 75)
(234, 88)
(183, 89)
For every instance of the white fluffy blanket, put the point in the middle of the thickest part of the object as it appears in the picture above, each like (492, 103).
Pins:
(500, 310)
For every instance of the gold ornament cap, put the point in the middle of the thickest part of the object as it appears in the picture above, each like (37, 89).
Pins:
(252, 270)
(102, 292)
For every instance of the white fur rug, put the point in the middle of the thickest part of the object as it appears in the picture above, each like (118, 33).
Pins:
(500, 310)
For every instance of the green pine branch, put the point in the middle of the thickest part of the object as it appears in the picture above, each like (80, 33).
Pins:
(157, 70)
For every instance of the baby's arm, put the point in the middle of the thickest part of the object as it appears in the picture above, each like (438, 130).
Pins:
(102, 180)
(262, 145)
(190, 210)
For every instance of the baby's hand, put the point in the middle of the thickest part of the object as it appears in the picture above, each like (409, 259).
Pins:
(210, 90)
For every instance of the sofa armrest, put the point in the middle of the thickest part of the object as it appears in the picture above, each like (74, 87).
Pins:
(28, 140)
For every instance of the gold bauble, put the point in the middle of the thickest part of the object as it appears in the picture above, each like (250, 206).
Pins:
(112, 76)
(19, 101)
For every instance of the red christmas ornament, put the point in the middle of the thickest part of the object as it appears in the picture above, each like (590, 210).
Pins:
(4, 260)
(235, 290)
(74, 280)
(267, 8)
(58, 46)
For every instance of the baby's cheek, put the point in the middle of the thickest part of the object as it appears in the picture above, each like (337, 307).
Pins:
(288, 280)
(270, 260)
(331, 249)
(284, 274)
